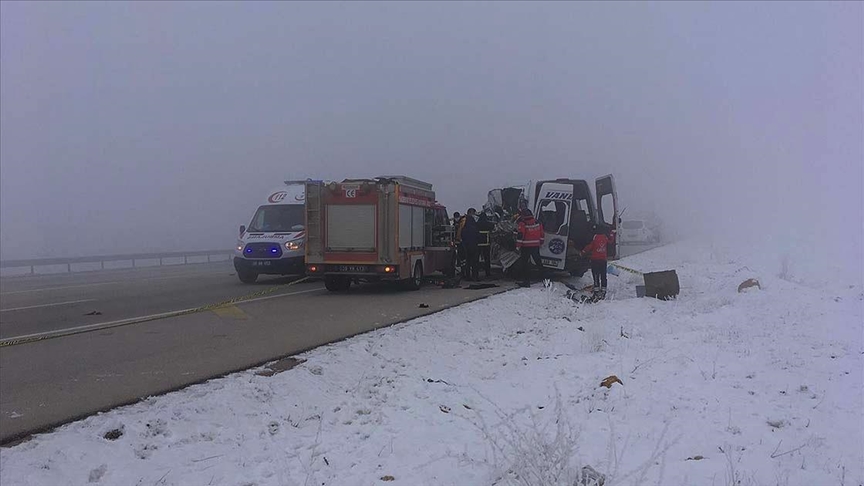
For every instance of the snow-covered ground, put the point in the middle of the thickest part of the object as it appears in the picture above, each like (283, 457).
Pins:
(717, 388)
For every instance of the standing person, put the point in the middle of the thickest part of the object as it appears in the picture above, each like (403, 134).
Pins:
(596, 252)
(469, 234)
(528, 242)
(485, 226)
(460, 252)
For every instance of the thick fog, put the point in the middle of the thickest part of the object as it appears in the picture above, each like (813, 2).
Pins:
(160, 126)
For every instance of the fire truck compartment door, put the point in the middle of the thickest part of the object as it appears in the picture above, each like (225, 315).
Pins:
(411, 226)
(351, 227)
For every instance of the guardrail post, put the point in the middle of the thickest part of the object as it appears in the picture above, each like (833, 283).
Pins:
(185, 261)
(133, 263)
(160, 262)
(69, 267)
(103, 264)
(208, 258)
(32, 269)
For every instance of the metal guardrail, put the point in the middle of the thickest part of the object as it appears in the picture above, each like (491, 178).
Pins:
(41, 262)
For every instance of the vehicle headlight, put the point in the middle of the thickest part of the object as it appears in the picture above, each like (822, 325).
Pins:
(294, 245)
(239, 245)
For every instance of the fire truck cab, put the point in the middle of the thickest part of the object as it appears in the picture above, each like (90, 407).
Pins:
(385, 228)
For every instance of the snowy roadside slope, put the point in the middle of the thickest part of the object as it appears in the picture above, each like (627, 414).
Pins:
(763, 387)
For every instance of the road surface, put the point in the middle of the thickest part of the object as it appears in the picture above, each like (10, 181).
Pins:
(51, 302)
(53, 381)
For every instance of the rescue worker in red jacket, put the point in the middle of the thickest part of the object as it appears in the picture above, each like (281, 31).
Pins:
(596, 252)
(528, 242)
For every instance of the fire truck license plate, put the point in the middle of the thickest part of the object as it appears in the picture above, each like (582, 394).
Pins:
(352, 268)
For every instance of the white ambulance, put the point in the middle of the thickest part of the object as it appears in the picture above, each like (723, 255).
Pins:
(274, 243)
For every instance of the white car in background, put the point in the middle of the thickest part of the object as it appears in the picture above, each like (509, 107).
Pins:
(637, 232)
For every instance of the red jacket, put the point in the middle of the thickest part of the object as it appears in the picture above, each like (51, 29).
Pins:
(597, 248)
(531, 233)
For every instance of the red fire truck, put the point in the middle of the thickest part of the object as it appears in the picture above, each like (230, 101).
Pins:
(386, 228)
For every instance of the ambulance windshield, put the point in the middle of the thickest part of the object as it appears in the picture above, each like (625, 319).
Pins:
(279, 218)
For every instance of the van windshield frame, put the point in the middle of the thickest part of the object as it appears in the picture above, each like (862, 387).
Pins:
(277, 218)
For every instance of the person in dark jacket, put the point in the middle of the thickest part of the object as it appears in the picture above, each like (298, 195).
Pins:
(469, 234)
(485, 227)
(529, 239)
(596, 252)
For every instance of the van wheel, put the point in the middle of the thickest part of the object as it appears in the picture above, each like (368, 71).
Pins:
(416, 280)
(247, 277)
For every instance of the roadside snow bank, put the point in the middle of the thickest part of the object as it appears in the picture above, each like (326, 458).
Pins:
(762, 387)
(803, 259)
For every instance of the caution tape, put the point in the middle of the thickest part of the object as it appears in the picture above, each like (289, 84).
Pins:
(622, 267)
(125, 322)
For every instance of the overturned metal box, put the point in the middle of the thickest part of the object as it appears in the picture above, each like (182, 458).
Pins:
(661, 285)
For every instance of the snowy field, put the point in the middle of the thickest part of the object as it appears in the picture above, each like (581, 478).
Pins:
(762, 387)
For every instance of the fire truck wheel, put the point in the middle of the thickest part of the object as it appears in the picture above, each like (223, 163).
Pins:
(335, 283)
(416, 279)
(247, 277)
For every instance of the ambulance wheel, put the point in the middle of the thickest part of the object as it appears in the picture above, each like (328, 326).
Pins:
(247, 277)
(416, 279)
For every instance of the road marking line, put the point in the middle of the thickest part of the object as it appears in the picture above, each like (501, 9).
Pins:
(279, 295)
(46, 305)
(122, 322)
(230, 312)
(203, 274)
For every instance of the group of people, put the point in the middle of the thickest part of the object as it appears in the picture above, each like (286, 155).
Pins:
(473, 237)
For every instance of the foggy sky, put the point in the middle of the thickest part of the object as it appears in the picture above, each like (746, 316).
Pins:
(159, 126)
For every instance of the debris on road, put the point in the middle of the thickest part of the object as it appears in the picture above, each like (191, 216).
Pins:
(610, 380)
(749, 283)
(481, 286)
(279, 366)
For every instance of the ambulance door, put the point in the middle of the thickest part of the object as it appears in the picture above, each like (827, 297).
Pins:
(554, 203)
(607, 210)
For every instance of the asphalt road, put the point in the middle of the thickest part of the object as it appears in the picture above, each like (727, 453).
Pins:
(53, 381)
(50, 302)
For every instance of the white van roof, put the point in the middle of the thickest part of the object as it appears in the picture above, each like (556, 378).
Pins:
(293, 192)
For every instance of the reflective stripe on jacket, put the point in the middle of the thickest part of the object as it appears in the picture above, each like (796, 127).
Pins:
(484, 239)
(530, 233)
